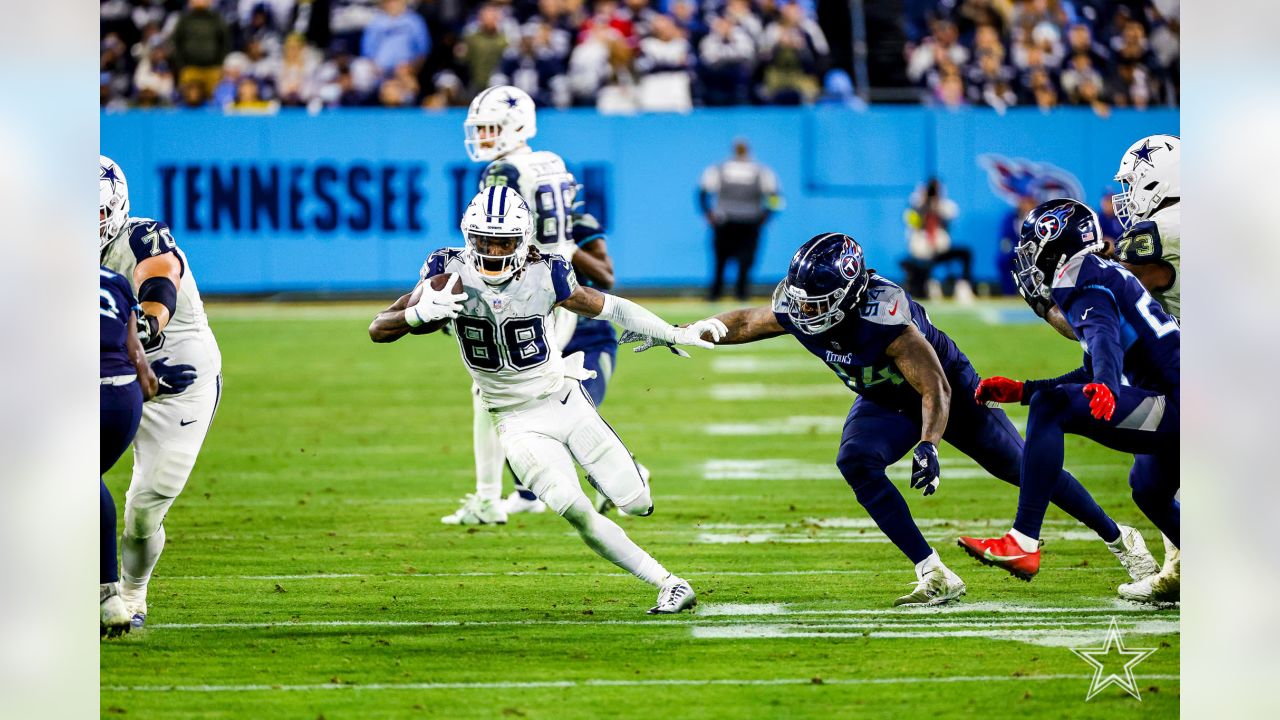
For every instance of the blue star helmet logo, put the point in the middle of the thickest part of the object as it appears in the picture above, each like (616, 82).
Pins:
(511, 101)
(1143, 154)
(108, 173)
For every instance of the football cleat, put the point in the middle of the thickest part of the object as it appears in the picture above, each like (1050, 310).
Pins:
(476, 510)
(674, 596)
(1004, 553)
(1171, 556)
(934, 586)
(1132, 551)
(114, 615)
(1163, 587)
(515, 503)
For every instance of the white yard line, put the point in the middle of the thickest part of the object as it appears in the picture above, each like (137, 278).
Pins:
(786, 469)
(751, 364)
(761, 391)
(590, 683)
(1049, 637)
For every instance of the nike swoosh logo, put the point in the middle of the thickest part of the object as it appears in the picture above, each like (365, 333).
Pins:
(566, 397)
(185, 423)
(1001, 558)
(1085, 314)
(895, 308)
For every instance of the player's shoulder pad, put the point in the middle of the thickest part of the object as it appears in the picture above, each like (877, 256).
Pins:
(438, 261)
(885, 303)
(500, 173)
(586, 228)
(149, 238)
(1140, 244)
(563, 278)
(1075, 272)
(109, 279)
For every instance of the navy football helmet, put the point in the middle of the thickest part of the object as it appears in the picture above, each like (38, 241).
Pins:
(828, 275)
(1052, 234)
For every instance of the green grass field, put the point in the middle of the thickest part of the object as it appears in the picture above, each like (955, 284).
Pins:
(307, 573)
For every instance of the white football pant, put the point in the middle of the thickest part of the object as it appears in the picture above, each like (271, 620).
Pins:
(543, 438)
(164, 452)
(490, 459)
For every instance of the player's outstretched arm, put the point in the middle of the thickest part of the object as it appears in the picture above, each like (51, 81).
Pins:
(592, 303)
(748, 325)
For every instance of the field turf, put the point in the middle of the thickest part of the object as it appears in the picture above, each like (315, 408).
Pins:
(307, 574)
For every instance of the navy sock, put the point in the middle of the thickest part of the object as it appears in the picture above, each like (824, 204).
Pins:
(887, 507)
(1042, 459)
(109, 571)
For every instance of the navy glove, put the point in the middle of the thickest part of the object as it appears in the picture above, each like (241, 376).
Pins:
(925, 471)
(172, 379)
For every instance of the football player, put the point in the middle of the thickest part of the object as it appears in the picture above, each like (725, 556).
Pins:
(1125, 396)
(914, 386)
(184, 355)
(499, 302)
(126, 382)
(1149, 207)
(499, 124)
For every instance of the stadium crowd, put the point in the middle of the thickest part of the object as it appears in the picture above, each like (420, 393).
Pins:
(623, 55)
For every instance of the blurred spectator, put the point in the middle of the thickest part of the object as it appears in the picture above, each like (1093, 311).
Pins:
(928, 219)
(728, 59)
(235, 67)
(1010, 228)
(664, 66)
(249, 98)
(640, 15)
(746, 194)
(154, 79)
(536, 66)
(1083, 85)
(201, 39)
(1080, 42)
(295, 77)
(794, 50)
(941, 46)
(991, 83)
(395, 36)
(482, 47)
(948, 91)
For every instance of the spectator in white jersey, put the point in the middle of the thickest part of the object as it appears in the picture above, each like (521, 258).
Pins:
(745, 195)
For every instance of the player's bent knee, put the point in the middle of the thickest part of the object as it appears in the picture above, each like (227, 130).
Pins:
(641, 506)
(859, 469)
(1049, 403)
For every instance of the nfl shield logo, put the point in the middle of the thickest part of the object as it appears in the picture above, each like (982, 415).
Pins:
(497, 303)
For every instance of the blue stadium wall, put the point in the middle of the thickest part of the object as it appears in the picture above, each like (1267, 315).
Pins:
(356, 199)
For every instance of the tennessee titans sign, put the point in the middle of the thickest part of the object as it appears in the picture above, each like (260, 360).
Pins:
(850, 262)
(1013, 178)
(1050, 224)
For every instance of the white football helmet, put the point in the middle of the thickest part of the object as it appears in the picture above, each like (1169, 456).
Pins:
(498, 228)
(1150, 171)
(499, 120)
(113, 200)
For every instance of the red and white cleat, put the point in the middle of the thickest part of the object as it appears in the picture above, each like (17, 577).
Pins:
(1005, 553)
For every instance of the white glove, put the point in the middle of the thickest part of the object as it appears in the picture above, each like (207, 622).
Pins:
(647, 342)
(690, 335)
(436, 304)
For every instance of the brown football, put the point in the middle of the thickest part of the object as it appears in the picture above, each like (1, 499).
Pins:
(438, 282)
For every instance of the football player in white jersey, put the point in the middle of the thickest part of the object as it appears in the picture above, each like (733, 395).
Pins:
(184, 355)
(500, 301)
(1149, 207)
(499, 124)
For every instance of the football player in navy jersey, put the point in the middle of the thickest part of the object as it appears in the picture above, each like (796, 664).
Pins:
(126, 381)
(915, 387)
(1125, 396)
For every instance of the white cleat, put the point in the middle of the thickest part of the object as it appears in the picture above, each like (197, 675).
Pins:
(1133, 554)
(477, 510)
(514, 504)
(935, 584)
(135, 602)
(114, 615)
(675, 595)
(1162, 587)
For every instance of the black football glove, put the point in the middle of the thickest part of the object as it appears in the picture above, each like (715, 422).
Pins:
(148, 330)
(172, 379)
(925, 471)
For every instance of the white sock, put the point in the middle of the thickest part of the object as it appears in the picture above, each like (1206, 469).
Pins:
(137, 559)
(1026, 542)
(930, 563)
(611, 543)
(488, 451)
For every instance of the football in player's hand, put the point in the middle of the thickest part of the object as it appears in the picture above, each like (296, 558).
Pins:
(438, 282)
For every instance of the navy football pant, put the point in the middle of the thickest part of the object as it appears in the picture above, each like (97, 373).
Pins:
(119, 412)
(1145, 423)
(875, 437)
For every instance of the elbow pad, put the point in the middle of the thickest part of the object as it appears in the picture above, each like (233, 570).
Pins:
(161, 290)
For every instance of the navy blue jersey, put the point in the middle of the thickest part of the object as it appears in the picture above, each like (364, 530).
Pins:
(855, 347)
(115, 305)
(590, 333)
(1124, 331)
